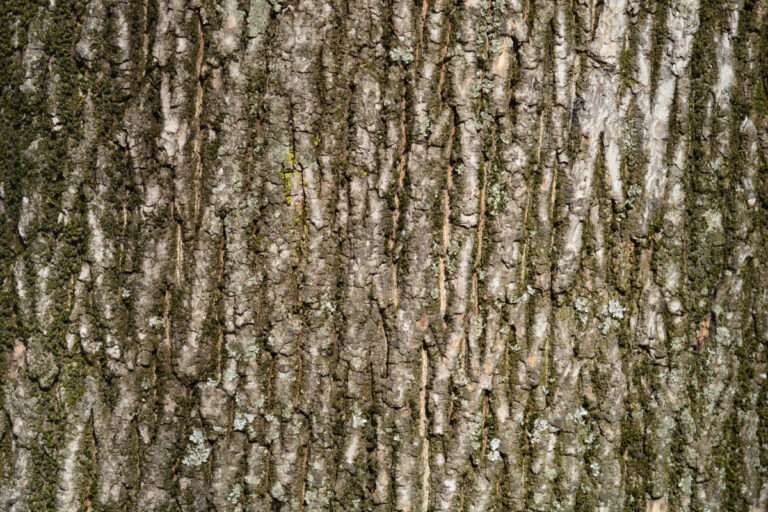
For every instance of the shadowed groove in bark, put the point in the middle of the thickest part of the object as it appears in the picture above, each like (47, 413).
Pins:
(408, 256)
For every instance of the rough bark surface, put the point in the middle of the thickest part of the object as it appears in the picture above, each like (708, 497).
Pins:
(480, 255)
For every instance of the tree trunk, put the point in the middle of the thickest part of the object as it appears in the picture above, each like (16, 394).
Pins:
(490, 255)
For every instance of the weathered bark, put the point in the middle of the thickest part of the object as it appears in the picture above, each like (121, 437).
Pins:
(366, 255)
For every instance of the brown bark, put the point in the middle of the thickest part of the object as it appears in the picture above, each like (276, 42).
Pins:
(325, 255)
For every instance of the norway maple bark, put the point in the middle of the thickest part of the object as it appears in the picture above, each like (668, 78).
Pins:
(327, 255)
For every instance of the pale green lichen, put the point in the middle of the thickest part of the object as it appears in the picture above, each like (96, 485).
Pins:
(577, 415)
(426, 128)
(496, 199)
(723, 335)
(229, 375)
(277, 491)
(235, 494)
(540, 425)
(242, 419)
(494, 454)
(461, 377)
(357, 418)
(257, 20)
(253, 480)
(400, 55)
(198, 453)
(616, 310)
(476, 430)
(685, 483)
(582, 306)
(611, 313)
(527, 294)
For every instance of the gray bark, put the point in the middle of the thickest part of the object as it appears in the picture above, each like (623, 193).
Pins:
(390, 256)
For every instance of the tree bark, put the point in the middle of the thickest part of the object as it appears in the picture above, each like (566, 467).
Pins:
(485, 255)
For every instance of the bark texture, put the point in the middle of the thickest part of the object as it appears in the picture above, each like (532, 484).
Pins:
(286, 255)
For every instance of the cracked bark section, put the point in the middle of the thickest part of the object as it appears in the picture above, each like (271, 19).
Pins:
(393, 256)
